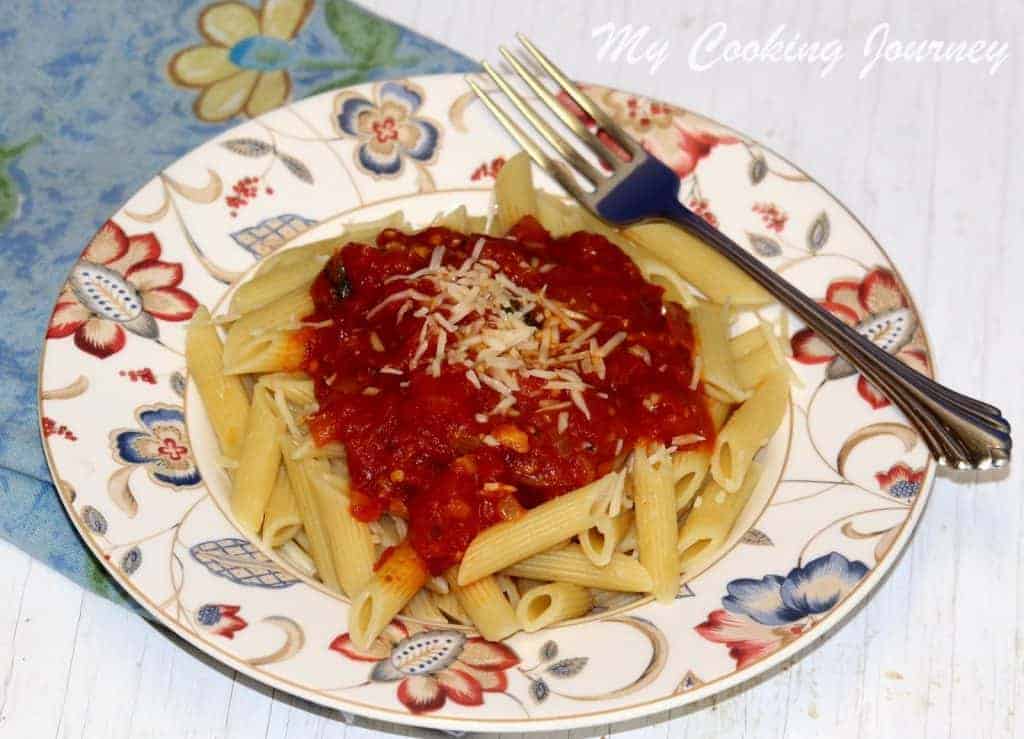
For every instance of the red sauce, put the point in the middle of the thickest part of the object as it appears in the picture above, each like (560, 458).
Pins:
(416, 448)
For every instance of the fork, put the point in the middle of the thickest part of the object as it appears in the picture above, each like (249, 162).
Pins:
(959, 431)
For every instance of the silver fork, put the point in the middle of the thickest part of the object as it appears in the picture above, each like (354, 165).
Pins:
(959, 431)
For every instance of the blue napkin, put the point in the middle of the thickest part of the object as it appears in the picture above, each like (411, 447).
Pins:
(88, 113)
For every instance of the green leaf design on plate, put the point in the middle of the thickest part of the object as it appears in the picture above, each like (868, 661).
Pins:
(9, 195)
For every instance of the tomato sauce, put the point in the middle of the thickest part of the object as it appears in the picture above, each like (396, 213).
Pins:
(424, 448)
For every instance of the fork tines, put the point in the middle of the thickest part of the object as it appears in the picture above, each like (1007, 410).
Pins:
(547, 131)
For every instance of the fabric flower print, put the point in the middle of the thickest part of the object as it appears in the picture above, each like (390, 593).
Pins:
(432, 667)
(161, 446)
(762, 616)
(119, 283)
(900, 481)
(877, 308)
(242, 67)
(222, 620)
(677, 138)
(388, 129)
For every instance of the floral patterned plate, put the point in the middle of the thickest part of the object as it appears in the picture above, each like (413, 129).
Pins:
(135, 459)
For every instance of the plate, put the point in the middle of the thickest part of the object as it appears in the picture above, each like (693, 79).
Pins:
(135, 461)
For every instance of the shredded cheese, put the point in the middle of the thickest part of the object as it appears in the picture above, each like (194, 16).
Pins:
(475, 316)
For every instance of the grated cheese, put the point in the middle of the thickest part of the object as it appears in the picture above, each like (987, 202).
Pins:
(642, 352)
(474, 316)
(686, 439)
(697, 367)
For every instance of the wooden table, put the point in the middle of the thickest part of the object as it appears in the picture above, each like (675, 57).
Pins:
(928, 156)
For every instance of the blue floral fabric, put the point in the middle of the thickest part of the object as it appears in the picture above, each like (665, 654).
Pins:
(90, 113)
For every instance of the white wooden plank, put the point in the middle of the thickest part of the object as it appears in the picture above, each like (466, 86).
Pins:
(14, 571)
(44, 640)
(179, 688)
(103, 677)
(249, 708)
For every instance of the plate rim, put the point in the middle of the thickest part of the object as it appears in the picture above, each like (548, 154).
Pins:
(763, 668)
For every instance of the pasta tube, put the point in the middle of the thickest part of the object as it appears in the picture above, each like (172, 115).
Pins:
(535, 531)
(257, 466)
(549, 604)
(487, 606)
(570, 564)
(747, 430)
(654, 499)
(399, 576)
(224, 397)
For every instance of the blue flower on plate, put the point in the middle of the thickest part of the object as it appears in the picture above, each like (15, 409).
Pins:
(161, 446)
(387, 127)
(806, 591)
(762, 616)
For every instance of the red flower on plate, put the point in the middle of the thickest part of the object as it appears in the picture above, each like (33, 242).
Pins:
(900, 481)
(878, 309)
(220, 619)
(119, 283)
(432, 667)
(677, 138)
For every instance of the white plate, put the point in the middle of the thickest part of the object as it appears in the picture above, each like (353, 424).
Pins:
(847, 478)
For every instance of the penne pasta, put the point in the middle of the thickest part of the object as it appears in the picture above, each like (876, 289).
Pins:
(258, 463)
(526, 584)
(289, 432)
(314, 536)
(297, 557)
(608, 600)
(287, 259)
(654, 499)
(486, 605)
(747, 430)
(295, 386)
(224, 397)
(275, 283)
(743, 344)
(709, 524)
(457, 220)
(449, 605)
(699, 264)
(535, 531)
(251, 335)
(422, 606)
(281, 520)
(509, 588)
(600, 540)
(279, 352)
(549, 604)
(400, 574)
(570, 564)
(719, 410)
(558, 217)
(366, 232)
(350, 541)
(676, 289)
(689, 469)
(514, 192)
(754, 367)
(711, 326)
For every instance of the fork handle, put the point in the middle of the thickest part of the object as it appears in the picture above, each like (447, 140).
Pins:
(959, 431)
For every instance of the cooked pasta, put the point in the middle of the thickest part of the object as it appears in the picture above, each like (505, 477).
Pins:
(548, 604)
(429, 430)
